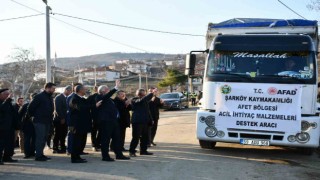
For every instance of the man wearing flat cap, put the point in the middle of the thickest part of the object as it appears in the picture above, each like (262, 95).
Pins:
(8, 119)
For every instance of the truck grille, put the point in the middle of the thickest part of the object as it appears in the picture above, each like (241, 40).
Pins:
(245, 133)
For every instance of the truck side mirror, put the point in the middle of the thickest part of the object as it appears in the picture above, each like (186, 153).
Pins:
(190, 64)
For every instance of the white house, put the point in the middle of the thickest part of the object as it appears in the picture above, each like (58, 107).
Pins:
(100, 73)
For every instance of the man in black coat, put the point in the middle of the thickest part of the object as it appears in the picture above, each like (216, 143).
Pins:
(95, 134)
(59, 121)
(80, 122)
(41, 110)
(8, 121)
(154, 104)
(124, 107)
(68, 119)
(141, 118)
(28, 130)
(108, 121)
(19, 134)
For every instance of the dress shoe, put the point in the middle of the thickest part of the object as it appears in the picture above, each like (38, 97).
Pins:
(84, 153)
(122, 158)
(28, 156)
(131, 154)
(41, 159)
(46, 157)
(124, 150)
(154, 144)
(108, 159)
(78, 161)
(146, 153)
(9, 160)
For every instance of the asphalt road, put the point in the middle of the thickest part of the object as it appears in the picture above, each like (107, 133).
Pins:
(177, 156)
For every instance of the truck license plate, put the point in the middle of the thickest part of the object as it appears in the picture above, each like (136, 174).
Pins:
(254, 142)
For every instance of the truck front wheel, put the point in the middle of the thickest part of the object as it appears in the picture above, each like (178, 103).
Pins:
(207, 144)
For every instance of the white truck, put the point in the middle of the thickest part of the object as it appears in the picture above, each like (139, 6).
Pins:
(260, 84)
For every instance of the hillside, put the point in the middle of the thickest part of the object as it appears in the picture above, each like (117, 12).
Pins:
(108, 59)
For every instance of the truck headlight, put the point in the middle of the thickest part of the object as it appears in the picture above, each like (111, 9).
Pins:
(303, 137)
(210, 121)
(202, 119)
(291, 138)
(305, 125)
(220, 134)
(211, 131)
(314, 125)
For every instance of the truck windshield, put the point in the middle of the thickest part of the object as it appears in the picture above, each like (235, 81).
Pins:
(274, 66)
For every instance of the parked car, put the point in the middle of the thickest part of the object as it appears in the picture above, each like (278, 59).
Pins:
(174, 100)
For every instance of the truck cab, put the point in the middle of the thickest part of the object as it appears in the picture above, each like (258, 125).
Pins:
(260, 87)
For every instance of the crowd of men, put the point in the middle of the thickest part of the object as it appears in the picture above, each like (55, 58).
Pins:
(72, 116)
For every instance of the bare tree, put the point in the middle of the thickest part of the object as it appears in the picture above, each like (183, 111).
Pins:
(314, 5)
(23, 69)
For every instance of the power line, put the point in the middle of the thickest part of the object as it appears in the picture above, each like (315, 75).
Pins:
(291, 9)
(101, 36)
(74, 26)
(129, 27)
(21, 17)
(26, 6)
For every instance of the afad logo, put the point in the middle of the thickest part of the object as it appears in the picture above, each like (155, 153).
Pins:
(274, 91)
(225, 89)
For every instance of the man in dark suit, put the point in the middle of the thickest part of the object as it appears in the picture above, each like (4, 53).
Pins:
(68, 119)
(59, 121)
(8, 119)
(19, 134)
(154, 104)
(28, 130)
(95, 134)
(141, 118)
(124, 106)
(80, 122)
(41, 110)
(108, 122)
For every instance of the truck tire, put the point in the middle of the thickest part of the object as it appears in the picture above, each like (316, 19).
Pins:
(207, 144)
(307, 151)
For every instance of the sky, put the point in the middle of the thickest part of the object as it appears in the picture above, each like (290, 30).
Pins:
(181, 16)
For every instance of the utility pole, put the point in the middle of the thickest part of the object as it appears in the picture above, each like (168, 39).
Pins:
(48, 56)
(54, 67)
(140, 80)
(147, 81)
(95, 75)
(190, 84)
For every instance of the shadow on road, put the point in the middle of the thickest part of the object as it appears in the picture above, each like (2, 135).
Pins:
(166, 154)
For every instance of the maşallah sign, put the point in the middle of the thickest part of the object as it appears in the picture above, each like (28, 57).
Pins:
(274, 107)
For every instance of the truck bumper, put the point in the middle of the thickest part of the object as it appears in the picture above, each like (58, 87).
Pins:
(220, 133)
